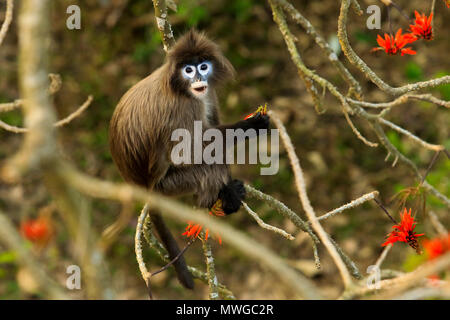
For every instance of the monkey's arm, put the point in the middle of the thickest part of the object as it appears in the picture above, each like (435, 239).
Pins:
(256, 122)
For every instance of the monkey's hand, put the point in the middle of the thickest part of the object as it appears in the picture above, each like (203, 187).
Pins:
(258, 121)
(232, 195)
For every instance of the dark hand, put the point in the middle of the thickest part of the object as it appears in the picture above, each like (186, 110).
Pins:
(258, 121)
(231, 195)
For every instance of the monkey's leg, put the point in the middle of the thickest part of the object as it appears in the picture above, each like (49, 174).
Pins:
(204, 180)
(209, 182)
(183, 274)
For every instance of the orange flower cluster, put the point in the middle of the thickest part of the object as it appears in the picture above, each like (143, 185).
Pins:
(261, 109)
(437, 246)
(404, 232)
(421, 29)
(193, 230)
(393, 45)
(38, 231)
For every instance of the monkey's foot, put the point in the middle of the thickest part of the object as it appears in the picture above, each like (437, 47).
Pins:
(217, 209)
(232, 195)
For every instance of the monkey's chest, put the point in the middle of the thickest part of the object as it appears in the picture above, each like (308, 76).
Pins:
(208, 112)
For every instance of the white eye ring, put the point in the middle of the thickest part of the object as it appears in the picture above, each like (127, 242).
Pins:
(204, 68)
(189, 71)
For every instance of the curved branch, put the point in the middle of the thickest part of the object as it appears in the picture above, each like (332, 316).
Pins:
(266, 226)
(429, 146)
(60, 123)
(367, 197)
(301, 188)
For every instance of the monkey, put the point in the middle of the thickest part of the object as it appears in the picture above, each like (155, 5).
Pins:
(179, 92)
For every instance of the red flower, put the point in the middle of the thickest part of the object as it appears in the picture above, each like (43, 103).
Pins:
(422, 28)
(437, 246)
(193, 230)
(261, 109)
(404, 232)
(447, 2)
(394, 45)
(37, 231)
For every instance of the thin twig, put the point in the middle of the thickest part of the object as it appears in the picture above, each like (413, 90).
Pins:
(383, 255)
(75, 114)
(356, 132)
(385, 210)
(8, 19)
(434, 147)
(266, 226)
(60, 123)
(367, 197)
(9, 106)
(138, 245)
(283, 210)
(437, 224)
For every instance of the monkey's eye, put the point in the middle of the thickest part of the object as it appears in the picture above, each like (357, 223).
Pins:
(188, 71)
(204, 68)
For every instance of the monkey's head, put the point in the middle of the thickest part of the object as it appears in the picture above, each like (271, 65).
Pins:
(196, 64)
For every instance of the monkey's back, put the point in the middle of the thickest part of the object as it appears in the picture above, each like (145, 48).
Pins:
(137, 131)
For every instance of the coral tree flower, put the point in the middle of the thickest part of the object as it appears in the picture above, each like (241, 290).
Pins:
(38, 231)
(437, 246)
(422, 28)
(193, 230)
(261, 109)
(394, 45)
(404, 232)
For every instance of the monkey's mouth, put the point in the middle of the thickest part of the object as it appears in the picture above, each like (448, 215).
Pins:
(199, 88)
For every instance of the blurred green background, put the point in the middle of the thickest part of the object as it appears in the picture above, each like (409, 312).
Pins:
(119, 44)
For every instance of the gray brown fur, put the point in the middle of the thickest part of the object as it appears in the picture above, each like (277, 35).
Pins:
(143, 121)
(151, 110)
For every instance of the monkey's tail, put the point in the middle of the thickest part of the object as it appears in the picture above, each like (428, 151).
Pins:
(183, 274)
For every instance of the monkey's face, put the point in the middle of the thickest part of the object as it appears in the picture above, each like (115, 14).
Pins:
(196, 75)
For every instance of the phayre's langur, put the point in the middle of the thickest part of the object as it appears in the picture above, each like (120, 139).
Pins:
(175, 95)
